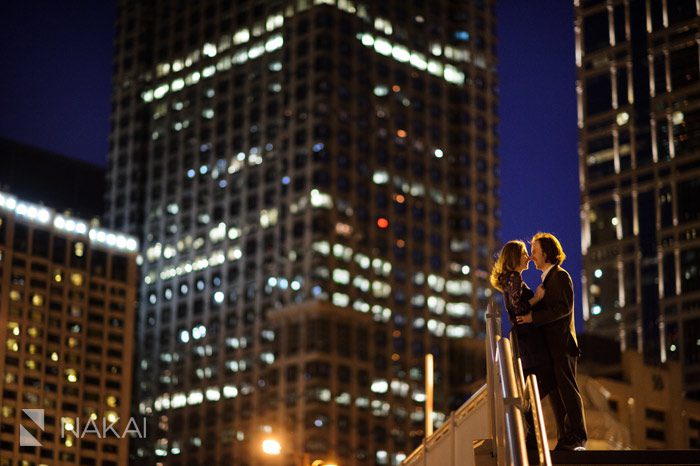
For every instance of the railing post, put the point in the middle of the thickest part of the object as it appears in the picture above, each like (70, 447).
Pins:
(538, 421)
(492, 335)
(499, 412)
(514, 431)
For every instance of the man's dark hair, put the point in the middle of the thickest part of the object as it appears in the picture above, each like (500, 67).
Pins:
(550, 247)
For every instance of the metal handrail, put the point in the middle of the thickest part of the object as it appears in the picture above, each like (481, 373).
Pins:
(538, 418)
(512, 407)
(530, 396)
(504, 376)
(493, 334)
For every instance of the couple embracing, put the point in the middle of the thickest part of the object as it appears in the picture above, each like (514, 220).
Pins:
(543, 325)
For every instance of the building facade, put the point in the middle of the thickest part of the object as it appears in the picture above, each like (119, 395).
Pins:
(645, 401)
(278, 153)
(67, 308)
(325, 384)
(631, 405)
(639, 132)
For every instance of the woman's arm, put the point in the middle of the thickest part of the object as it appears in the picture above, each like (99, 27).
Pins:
(514, 294)
(508, 300)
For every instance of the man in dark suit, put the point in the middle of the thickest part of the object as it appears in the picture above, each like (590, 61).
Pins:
(554, 315)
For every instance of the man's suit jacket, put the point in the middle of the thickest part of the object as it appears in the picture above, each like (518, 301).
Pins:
(554, 314)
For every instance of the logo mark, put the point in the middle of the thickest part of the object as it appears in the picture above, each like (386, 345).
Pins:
(26, 439)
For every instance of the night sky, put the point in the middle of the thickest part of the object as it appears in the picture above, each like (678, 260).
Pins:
(56, 83)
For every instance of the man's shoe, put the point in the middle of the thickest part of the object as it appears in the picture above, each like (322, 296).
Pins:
(569, 447)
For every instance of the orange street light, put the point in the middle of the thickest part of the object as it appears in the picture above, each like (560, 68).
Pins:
(271, 446)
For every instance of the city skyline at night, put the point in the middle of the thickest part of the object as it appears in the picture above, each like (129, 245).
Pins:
(537, 118)
(323, 154)
(304, 198)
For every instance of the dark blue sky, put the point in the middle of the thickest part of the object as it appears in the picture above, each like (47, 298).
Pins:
(56, 82)
(539, 159)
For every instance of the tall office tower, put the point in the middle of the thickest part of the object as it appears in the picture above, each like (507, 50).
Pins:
(639, 127)
(67, 308)
(277, 153)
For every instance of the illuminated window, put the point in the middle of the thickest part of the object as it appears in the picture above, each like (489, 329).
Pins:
(209, 50)
(379, 386)
(241, 37)
(341, 276)
(76, 279)
(71, 375)
(381, 90)
(340, 299)
(12, 344)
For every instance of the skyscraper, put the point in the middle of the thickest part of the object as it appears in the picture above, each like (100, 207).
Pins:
(276, 153)
(639, 127)
(67, 307)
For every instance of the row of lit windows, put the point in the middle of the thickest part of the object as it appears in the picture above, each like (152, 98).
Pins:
(209, 113)
(97, 268)
(185, 112)
(276, 21)
(379, 408)
(63, 457)
(614, 286)
(255, 157)
(268, 217)
(72, 342)
(435, 304)
(239, 101)
(40, 215)
(317, 199)
(609, 220)
(606, 91)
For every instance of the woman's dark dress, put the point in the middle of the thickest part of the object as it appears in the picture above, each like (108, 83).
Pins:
(534, 354)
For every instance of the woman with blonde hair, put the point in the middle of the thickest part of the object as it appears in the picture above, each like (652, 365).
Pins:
(518, 298)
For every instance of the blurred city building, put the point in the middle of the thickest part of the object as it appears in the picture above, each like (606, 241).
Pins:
(42, 177)
(638, 93)
(631, 404)
(276, 154)
(67, 308)
(326, 362)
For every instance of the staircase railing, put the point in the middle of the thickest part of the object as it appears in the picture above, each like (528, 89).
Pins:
(510, 395)
(495, 411)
